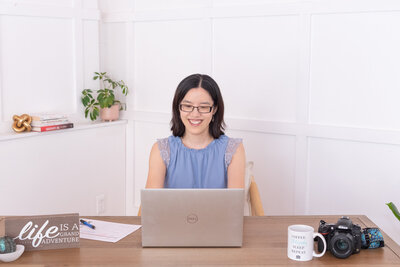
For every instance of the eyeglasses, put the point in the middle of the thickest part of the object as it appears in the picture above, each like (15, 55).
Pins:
(200, 109)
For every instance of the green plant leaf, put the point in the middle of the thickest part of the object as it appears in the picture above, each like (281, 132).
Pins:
(87, 92)
(394, 209)
(95, 77)
(96, 112)
(86, 112)
(100, 97)
(110, 101)
(103, 102)
(85, 101)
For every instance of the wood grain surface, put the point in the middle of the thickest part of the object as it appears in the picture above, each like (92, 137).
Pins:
(264, 243)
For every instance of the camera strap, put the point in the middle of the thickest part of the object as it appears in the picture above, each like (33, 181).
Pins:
(372, 238)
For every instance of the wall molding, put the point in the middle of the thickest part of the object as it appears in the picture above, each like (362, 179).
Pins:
(51, 12)
(335, 132)
(238, 11)
(77, 127)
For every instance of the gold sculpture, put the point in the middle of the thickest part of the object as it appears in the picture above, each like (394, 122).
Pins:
(22, 123)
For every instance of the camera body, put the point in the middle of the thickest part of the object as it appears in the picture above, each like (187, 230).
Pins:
(342, 239)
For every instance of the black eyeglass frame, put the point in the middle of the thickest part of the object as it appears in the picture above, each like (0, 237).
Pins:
(198, 110)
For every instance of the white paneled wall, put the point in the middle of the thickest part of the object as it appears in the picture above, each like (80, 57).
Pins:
(275, 174)
(312, 87)
(354, 70)
(64, 172)
(48, 53)
(172, 49)
(341, 168)
(26, 44)
(256, 58)
(146, 134)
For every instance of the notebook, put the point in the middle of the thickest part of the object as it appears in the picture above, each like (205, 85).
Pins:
(192, 217)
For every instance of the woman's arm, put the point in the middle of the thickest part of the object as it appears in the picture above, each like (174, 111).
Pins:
(157, 169)
(236, 169)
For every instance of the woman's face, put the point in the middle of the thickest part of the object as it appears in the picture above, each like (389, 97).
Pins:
(197, 120)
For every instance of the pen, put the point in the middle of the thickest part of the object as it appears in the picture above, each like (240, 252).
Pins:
(87, 224)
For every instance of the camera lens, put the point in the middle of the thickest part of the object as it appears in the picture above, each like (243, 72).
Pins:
(342, 245)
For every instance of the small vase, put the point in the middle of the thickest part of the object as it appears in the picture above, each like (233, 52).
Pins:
(110, 114)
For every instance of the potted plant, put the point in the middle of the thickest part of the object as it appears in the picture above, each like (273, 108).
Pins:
(105, 103)
(394, 209)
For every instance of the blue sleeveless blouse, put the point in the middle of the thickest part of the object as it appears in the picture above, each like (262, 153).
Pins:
(197, 168)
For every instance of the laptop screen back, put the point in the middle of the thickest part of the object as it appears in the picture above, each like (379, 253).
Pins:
(192, 217)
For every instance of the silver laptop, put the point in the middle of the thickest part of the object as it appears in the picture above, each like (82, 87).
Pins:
(192, 217)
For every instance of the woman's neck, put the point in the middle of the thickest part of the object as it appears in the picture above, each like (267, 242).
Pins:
(197, 141)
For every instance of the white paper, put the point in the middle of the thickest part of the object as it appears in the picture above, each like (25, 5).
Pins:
(106, 231)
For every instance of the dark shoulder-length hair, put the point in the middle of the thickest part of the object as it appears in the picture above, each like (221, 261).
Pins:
(217, 124)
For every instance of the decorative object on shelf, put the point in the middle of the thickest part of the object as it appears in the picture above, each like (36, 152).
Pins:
(110, 114)
(44, 122)
(22, 123)
(12, 256)
(105, 98)
(7, 245)
(9, 251)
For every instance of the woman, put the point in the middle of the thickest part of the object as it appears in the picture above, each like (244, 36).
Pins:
(198, 154)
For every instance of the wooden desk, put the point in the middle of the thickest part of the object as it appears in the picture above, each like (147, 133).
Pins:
(264, 243)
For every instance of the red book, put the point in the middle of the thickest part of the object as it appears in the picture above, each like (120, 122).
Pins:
(52, 127)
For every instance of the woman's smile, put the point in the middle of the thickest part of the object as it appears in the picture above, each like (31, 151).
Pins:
(195, 122)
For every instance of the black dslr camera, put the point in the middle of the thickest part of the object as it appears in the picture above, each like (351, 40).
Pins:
(342, 238)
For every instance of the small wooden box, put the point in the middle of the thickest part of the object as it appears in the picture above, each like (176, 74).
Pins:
(45, 231)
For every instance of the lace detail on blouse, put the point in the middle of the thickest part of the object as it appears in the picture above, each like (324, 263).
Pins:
(233, 144)
(163, 146)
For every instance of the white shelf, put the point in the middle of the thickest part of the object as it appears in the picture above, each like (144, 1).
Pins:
(77, 127)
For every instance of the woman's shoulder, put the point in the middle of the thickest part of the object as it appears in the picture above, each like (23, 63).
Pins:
(233, 143)
(231, 148)
(168, 139)
(163, 145)
(229, 140)
(165, 142)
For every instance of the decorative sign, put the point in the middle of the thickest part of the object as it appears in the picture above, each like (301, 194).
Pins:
(44, 232)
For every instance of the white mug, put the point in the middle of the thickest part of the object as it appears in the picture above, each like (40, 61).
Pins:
(301, 243)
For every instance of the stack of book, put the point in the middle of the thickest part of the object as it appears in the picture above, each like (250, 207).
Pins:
(50, 122)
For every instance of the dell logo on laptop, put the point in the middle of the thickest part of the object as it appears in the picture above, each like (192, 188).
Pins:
(192, 218)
